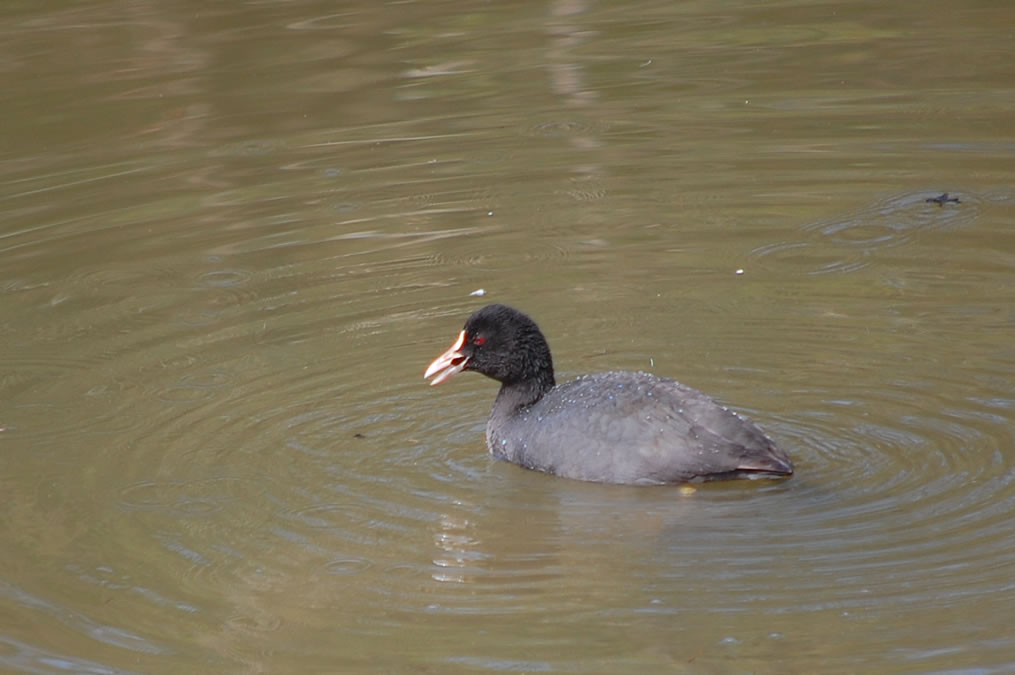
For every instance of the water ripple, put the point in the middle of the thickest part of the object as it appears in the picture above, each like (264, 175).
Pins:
(852, 243)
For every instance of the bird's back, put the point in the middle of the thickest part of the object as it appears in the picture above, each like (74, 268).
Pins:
(626, 427)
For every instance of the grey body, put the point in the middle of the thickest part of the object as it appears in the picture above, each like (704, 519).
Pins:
(627, 427)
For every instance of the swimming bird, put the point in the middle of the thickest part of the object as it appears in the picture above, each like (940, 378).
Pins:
(615, 427)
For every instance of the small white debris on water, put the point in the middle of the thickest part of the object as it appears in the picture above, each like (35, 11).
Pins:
(740, 271)
(489, 213)
(651, 363)
(478, 292)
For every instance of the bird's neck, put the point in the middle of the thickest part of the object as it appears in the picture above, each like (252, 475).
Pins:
(517, 395)
(529, 380)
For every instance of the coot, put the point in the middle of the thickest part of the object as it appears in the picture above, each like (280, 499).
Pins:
(615, 427)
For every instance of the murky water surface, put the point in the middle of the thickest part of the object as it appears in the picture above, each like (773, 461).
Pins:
(234, 234)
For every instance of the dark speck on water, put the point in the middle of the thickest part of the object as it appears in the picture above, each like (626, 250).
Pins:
(943, 199)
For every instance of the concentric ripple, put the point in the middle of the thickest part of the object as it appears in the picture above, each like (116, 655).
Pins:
(221, 284)
(850, 244)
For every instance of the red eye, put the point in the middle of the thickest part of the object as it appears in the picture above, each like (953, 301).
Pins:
(479, 340)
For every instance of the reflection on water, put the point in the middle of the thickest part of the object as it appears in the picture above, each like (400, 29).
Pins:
(233, 239)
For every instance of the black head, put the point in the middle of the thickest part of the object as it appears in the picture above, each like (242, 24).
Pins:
(499, 342)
